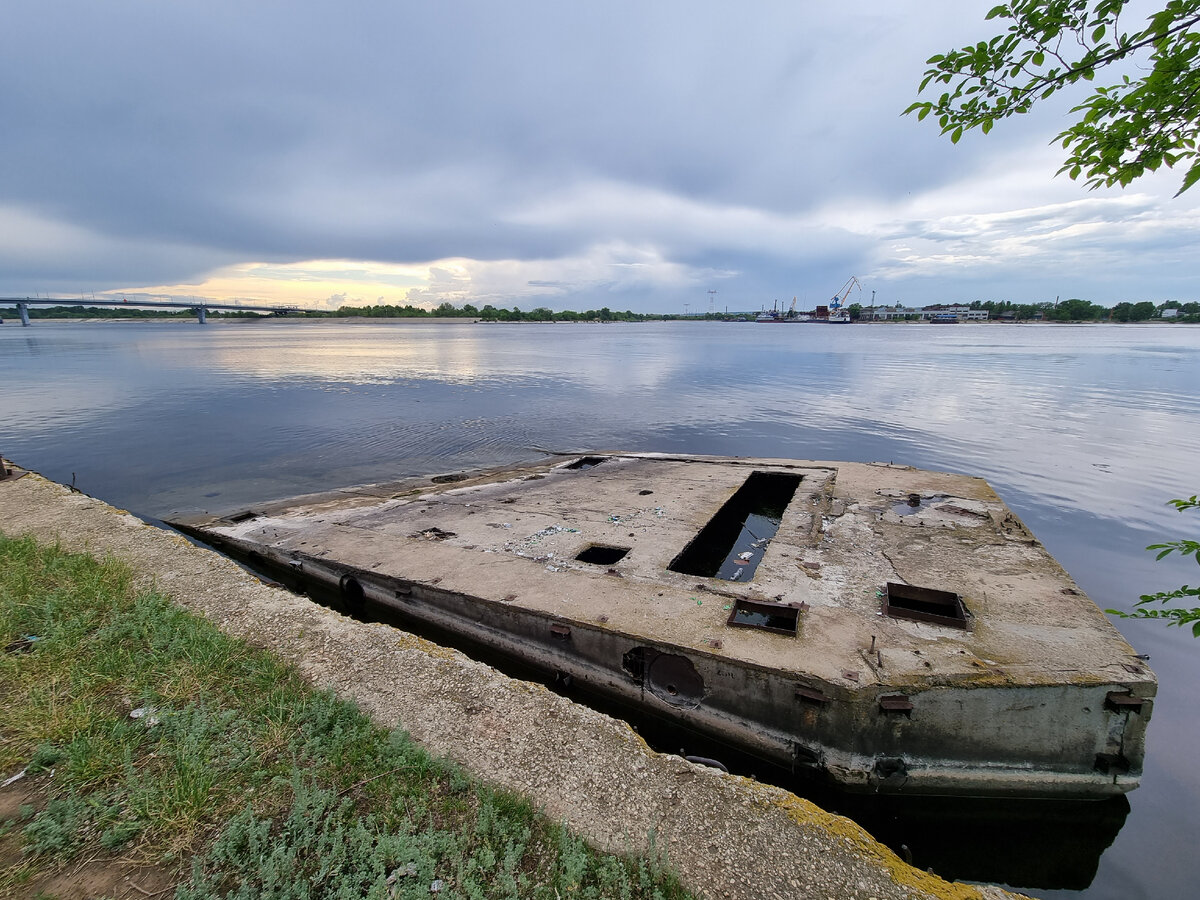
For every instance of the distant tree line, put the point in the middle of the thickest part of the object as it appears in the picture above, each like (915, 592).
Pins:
(1073, 310)
(1188, 312)
(446, 310)
(101, 312)
(491, 313)
(1076, 310)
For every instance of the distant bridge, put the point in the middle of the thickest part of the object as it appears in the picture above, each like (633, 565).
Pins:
(200, 307)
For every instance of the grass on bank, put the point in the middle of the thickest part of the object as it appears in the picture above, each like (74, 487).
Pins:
(155, 739)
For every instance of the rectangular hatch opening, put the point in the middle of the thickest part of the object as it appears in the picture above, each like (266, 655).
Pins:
(777, 617)
(906, 601)
(585, 462)
(734, 541)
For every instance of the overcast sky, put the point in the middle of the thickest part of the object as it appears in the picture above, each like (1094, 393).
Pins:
(632, 155)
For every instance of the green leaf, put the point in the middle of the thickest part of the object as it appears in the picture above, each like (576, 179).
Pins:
(1148, 117)
(1192, 176)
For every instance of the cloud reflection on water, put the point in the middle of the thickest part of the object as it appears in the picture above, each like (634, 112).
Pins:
(1100, 419)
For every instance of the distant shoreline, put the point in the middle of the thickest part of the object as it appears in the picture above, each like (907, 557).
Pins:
(14, 319)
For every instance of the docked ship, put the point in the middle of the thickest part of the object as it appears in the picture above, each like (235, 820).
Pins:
(832, 313)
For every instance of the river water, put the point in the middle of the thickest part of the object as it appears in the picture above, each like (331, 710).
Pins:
(1085, 431)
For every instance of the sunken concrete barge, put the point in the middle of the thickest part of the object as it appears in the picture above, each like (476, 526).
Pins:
(899, 630)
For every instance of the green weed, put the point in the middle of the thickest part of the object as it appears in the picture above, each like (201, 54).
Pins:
(168, 741)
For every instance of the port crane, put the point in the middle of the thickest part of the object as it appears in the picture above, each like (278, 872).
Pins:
(839, 299)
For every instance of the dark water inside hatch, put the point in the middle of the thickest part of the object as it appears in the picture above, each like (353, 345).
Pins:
(763, 620)
(734, 541)
(749, 547)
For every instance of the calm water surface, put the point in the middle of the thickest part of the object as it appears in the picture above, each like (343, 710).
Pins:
(1085, 432)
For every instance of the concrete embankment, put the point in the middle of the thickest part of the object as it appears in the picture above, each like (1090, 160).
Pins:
(726, 836)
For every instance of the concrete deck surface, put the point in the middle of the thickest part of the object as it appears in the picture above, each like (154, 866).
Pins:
(512, 535)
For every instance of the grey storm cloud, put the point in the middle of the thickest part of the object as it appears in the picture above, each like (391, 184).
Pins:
(750, 147)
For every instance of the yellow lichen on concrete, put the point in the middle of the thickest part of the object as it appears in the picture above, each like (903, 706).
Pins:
(808, 814)
(407, 641)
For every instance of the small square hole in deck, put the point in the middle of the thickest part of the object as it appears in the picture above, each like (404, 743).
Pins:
(777, 617)
(585, 462)
(600, 555)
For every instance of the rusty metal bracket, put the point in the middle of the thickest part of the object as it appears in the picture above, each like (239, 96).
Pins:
(897, 703)
(811, 696)
(1123, 701)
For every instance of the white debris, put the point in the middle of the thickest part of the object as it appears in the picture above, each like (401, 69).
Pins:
(148, 713)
